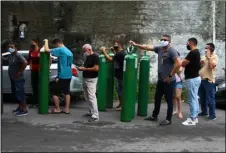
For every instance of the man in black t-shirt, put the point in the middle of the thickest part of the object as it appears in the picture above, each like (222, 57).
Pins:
(118, 66)
(193, 80)
(90, 74)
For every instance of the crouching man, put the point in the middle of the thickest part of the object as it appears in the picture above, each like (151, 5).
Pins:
(90, 74)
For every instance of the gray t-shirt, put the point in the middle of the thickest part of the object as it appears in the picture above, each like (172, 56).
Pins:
(15, 62)
(165, 61)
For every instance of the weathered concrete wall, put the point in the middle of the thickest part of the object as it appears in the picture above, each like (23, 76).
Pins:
(40, 17)
(146, 21)
(142, 21)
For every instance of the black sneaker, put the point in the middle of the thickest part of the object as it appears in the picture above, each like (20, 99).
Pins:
(203, 114)
(151, 118)
(93, 119)
(21, 113)
(165, 122)
(213, 118)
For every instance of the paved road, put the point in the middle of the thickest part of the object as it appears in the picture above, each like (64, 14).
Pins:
(68, 133)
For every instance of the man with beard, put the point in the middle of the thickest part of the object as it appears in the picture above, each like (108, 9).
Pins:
(192, 80)
(168, 64)
(118, 65)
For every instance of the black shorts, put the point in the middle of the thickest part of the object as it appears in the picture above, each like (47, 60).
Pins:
(61, 86)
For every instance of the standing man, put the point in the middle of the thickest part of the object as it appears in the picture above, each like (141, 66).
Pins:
(90, 74)
(118, 65)
(17, 64)
(168, 64)
(34, 58)
(207, 87)
(64, 75)
(192, 80)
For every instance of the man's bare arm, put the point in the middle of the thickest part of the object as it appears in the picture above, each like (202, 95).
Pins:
(144, 47)
(211, 64)
(95, 68)
(176, 67)
(185, 63)
(46, 45)
(109, 58)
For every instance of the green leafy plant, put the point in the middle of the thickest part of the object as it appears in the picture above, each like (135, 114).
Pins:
(151, 92)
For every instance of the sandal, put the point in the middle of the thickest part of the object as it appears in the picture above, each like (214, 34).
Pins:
(118, 109)
(63, 111)
(53, 111)
(118, 106)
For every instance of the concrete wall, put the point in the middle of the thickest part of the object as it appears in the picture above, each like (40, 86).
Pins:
(143, 21)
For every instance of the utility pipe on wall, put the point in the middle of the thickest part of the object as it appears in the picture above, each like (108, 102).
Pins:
(214, 20)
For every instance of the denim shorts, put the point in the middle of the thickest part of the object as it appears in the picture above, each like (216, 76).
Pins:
(17, 88)
(119, 87)
(178, 85)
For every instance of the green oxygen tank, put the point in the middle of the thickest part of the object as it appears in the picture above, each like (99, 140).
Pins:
(129, 77)
(135, 81)
(110, 82)
(44, 82)
(143, 85)
(102, 83)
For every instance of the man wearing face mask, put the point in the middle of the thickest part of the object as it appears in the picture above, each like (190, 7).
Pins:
(192, 80)
(118, 65)
(168, 64)
(17, 64)
(33, 60)
(207, 87)
(90, 74)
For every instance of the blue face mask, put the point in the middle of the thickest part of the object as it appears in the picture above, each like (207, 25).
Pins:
(11, 50)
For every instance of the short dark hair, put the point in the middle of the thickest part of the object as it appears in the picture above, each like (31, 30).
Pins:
(168, 36)
(36, 40)
(212, 46)
(193, 40)
(119, 42)
(57, 40)
(15, 44)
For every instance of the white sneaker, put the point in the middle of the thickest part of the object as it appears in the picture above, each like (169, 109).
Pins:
(196, 120)
(189, 122)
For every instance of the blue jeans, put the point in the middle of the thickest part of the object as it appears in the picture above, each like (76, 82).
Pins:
(207, 98)
(193, 88)
(17, 88)
(119, 87)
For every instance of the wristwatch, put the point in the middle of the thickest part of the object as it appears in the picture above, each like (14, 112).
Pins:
(170, 76)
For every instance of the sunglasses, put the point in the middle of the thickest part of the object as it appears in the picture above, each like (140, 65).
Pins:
(164, 40)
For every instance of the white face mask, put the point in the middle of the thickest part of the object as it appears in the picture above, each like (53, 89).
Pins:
(164, 43)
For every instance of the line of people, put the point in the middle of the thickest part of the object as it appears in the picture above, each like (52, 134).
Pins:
(198, 73)
(199, 80)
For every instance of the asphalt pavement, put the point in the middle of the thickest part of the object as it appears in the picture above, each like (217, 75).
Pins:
(70, 133)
